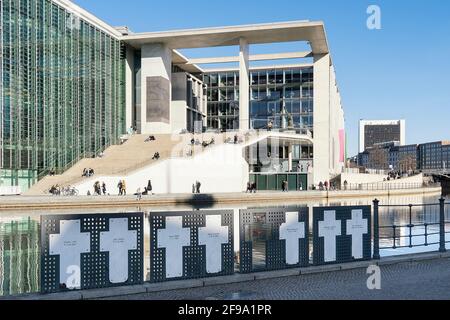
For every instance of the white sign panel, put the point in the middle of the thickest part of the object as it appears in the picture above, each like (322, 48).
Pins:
(118, 241)
(69, 244)
(357, 227)
(292, 231)
(173, 238)
(213, 235)
(329, 229)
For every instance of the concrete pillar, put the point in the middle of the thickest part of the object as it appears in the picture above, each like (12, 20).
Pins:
(129, 87)
(321, 118)
(244, 85)
(290, 157)
(156, 89)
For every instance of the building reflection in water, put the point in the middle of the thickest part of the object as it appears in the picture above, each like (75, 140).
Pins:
(19, 256)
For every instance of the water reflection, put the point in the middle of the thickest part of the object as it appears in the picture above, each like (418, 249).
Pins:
(19, 256)
(20, 248)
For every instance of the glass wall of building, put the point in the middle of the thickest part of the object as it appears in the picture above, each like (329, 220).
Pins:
(281, 97)
(430, 156)
(223, 100)
(63, 90)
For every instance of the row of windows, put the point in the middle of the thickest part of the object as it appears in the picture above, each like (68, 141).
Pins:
(263, 77)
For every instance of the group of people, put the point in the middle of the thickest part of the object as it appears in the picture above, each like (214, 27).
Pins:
(88, 172)
(99, 188)
(156, 156)
(327, 186)
(147, 190)
(57, 190)
(196, 187)
(251, 187)
(207, 144)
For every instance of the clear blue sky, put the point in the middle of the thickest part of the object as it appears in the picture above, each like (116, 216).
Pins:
(399, 72)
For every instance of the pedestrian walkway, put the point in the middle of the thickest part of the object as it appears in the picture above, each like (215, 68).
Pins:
(423, 280)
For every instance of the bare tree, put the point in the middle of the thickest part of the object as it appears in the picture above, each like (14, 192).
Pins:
(407, 163)
(378, 159)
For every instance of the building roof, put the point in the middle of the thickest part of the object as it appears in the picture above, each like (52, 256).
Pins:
(313, 32)
(88, 17)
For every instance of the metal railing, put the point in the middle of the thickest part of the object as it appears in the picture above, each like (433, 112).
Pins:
(422, 225)
(387, 186)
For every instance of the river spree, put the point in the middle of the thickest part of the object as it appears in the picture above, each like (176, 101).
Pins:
(20, 233)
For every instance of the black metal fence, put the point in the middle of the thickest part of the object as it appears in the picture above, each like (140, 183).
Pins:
(410, 226)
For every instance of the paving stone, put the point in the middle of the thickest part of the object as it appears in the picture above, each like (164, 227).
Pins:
(320, 269)
(173, 285)
(228, 279)
(113, 292)
(277, 274)
(421, 280)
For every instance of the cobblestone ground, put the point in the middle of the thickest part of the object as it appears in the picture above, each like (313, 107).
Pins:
(419, 280)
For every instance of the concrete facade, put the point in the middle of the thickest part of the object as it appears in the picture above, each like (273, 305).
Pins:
(159, 56)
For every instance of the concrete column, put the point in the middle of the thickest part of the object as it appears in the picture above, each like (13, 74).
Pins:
(290, 157)
(156, 89)
(129, 85)
(244, 85)
(321, 118)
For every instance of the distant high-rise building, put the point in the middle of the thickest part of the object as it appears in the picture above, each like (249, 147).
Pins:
(376, 132)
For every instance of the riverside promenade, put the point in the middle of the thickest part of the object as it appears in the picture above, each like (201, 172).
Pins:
(200, 200)
(424, 276)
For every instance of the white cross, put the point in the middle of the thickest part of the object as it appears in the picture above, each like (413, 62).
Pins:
(118, 241)
(174, 237)
(292, 231)
(329, 229)
(69, 244)
(357, 227)
(213, 235)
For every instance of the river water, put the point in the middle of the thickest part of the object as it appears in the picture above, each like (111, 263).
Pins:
(20, 233)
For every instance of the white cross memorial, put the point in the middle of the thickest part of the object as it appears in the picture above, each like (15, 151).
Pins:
(292, 231)
(118, 241)
(69, 244)
(173, 238)
(213, 235)
(357, 227)
(329, 229)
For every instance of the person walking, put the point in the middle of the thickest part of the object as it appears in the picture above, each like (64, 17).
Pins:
(198, 186)
(119, 186)
(124, 188)
(104, 188)
(193, 188)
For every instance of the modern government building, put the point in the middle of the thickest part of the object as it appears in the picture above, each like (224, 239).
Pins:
(73, 86)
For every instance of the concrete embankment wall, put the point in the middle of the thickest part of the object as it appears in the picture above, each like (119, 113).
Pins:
(22, 203)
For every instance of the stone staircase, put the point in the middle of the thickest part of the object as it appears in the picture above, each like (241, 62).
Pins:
(133, 155)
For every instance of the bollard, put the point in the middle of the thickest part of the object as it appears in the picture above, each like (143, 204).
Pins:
(376, 230)
(442, 225)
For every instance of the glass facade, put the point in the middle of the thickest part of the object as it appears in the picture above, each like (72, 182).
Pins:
(223, 100)
(282, 97)
(378, 134)
(63, 90)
